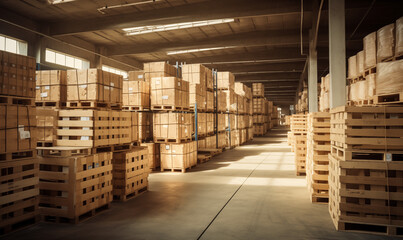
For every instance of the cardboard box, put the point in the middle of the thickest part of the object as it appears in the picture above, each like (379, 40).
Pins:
(210, 101)
(145, 126)
(51, 85)
(134, 127)
(136, 94)
(221, 101)
(220, 121)
(94, 85)
(46, 122)
(159, 69)
(196, 96)
(136, 76)
(258, 89)
(17, 128)
(172, 125)
(17, 75)
(195, 74)
(169, 91)
(225, 80)
(178, 156)
(231, 103)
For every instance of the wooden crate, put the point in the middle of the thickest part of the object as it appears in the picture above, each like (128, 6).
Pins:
(159, 69)
(19, 194)
(197, 96)
(74, 186)
(298, 123)
(300, 154)
(366, 195)
(318, 148)
(225, 80)
(178, 156)
(145, 126)
(92, 128)
(154, 160)
(366, 128)
(17, 130)
(130, 173)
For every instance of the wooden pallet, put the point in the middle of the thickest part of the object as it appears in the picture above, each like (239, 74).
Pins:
(212, 151)
(203, 157)
(14, 100)
(116, 148)
(88, 105)
(63, 151)
(366, 195)
(172, 140)
(395, 98)
(18, 155)
(366, 102)
(369, 71)
(81, 218)
(130, 196)
(183, 170)
(53, 104)
(20, 189)
(168, 108)
(45, 143)
(136, 108)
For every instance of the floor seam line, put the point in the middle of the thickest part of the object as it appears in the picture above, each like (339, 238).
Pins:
(232, 196)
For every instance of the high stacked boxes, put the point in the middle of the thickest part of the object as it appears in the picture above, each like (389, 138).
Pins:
(74, 184)
(172, 127)
(46, 121)
(365, 169)
(176, 156)
(299, 131)
(154, 160)
(226, 83)
(51, 88)
(324, 94)
(318, 148)
(130, 173)
(244, 99)
(18, 162)
(196, 75)
(136, 95)
(259, 104)
(93, 88)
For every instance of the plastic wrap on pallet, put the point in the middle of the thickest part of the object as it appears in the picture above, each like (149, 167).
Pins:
(370, 50)
(353, 92)
(389, 77)
(352, 66)
(371, 81)
(399, 37)
(360, 63)
(362, 90)
(385, 42)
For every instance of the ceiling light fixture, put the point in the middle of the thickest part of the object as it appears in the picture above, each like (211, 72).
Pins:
(102, 9)
(175, 26)
(59, 1)
(197, 50)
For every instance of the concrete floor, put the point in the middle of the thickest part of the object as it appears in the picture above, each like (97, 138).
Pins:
(250, 192)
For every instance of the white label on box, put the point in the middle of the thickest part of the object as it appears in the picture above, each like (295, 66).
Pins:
(167, 147)
(186, 130)
(112, 84)
(23, 134)
(37, 87)
(173, 151)
(47, 87)
(157, 82)
(44, 94)
(85, 138)
(388, 157)
(106, 87)
(84, 118)
(83, 86)
(165, 126)
(139, 76)
(86, 128)
(89, 167)
(179, 84)
(165, 97)
(130, 89)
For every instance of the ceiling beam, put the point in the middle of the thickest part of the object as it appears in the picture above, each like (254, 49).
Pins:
(267, 76)
(253, 67)
(247, 39)
(293, 81)
(205, 10)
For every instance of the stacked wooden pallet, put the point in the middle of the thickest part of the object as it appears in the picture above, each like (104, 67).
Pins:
(318, 148)
(262, 111)
(365, 169)
(299, 129)
(19, 181)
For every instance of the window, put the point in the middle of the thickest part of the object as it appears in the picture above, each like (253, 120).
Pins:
(13, 45)
(63, 59)
(114, 70)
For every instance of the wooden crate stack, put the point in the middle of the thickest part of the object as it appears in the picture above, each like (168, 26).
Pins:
(318, 148)
(18, 162)
(365, 169)
(261, 111)
(244, 96)
(299, 141)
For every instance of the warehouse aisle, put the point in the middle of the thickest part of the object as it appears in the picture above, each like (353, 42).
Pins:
(250, 192)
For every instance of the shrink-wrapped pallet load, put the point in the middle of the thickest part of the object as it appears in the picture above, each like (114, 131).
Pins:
(369, 43)
(371, 83)
(399, 37)
(385, 42)
(352, 67)
(389, 77)
(360, 63)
